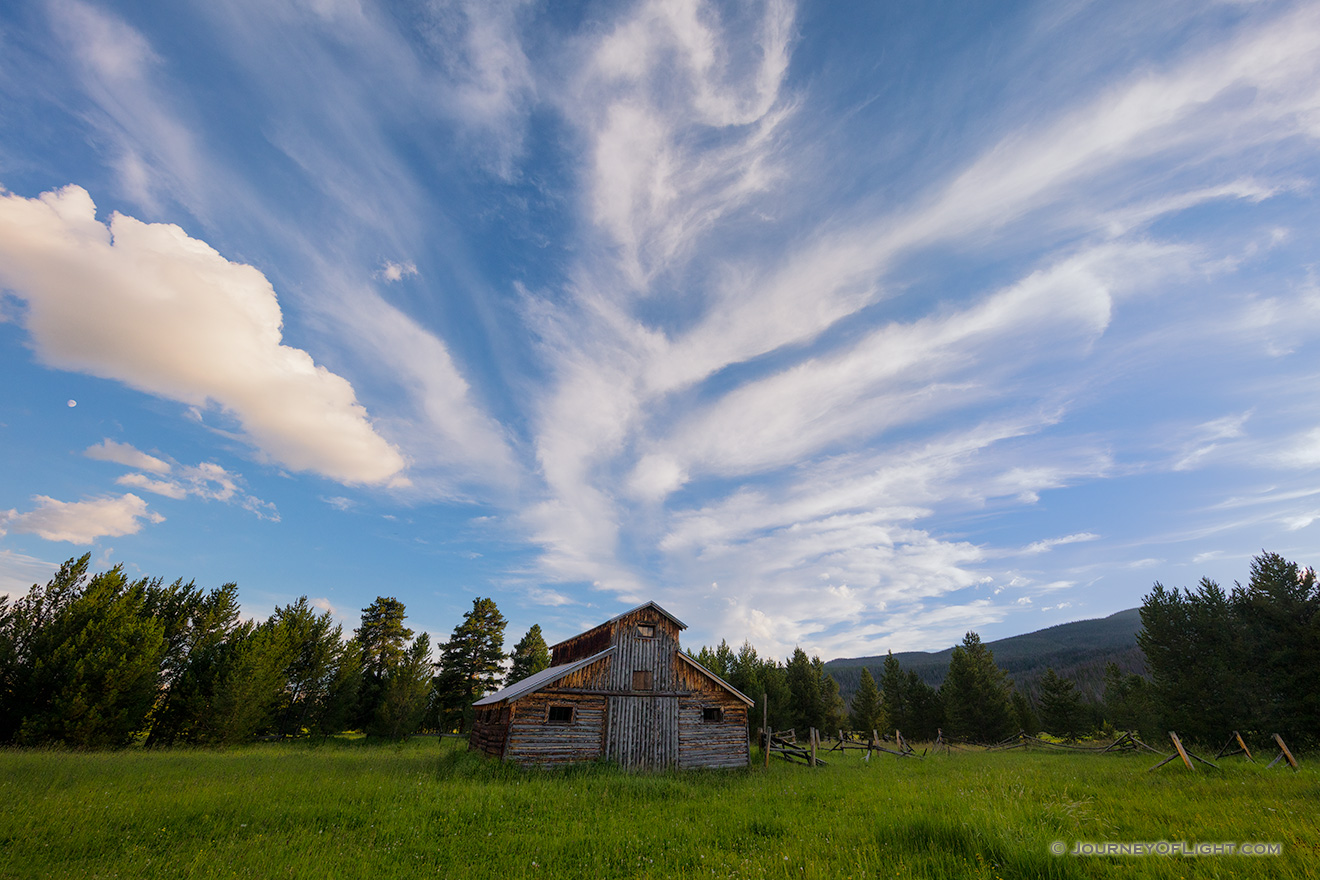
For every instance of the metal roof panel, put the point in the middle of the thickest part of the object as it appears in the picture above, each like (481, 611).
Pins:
(540, 679)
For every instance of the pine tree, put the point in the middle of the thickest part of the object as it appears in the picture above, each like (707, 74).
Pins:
(93, 670)
(383, 639)
(924, 707)
(807, 707)
(1024, 716)
(864, 714)
(893, 701)
(976, 693)
(1060, 705)
(530, 655)
(470, 662)
(318, 672)
(836, 711)
(404, 695)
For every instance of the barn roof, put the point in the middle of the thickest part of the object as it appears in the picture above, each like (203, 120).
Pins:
(715, 678)
(539, 680)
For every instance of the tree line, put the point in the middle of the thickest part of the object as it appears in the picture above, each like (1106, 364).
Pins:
(100, 660)
(1246, 659)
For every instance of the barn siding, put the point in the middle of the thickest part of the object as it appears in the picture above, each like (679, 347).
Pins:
(719, 744)
(534, 741)
(490, 736)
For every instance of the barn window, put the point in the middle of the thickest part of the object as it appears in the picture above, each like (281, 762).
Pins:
(642, 680)
(712, 715)
(646, 630)
(560, 715)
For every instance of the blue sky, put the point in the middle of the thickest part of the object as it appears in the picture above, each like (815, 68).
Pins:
(845, 325)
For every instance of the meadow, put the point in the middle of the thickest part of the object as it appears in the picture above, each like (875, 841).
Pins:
(427, 808)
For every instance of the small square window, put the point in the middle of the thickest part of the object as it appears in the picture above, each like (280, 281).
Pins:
(646, 630)
(712, 715)
(642, 680)
(560, 715)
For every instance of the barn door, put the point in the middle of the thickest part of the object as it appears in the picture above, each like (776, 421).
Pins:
(642, 732)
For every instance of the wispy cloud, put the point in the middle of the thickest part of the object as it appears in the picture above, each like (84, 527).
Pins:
(1049, 544)
(126, 454)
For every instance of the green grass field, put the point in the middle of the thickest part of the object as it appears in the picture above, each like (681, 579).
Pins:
(349, 809)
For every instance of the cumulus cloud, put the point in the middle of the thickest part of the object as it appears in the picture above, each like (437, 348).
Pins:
(147, 305)
(81, 522)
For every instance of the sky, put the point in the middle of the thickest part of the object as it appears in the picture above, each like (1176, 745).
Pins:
(849, 326)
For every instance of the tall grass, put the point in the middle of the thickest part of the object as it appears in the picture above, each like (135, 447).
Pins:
(423, 809)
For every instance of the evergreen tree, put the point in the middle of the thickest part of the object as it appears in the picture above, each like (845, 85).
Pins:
(21, 624)
(1060, 705)
(383, 640)
(530, 655)
(1278, 616)
(192, 660)
(470, 662)
(246, 684)
(807, 705)
(91, 668)
(1191, 640)
(1024, 716)
(976, 693)
(864, 714)
(924, 707)
(718, 660)
(404, 696)
(836, 711)
(1127, 702)
(893, 701)
(318, 672)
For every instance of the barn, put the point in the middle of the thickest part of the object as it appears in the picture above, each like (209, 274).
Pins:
(623, 691)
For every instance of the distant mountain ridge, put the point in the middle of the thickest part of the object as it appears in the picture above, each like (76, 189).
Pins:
(1077, 650)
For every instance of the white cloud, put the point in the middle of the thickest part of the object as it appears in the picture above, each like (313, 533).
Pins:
(168, 488)
(206, 480)
(149, 306)
(490, 79)
(666, 72)
(156, 156)
(392, 271)
(127, 455)
(1049, 544)
(81, 522)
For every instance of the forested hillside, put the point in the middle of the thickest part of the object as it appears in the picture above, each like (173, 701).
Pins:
(1078, 650)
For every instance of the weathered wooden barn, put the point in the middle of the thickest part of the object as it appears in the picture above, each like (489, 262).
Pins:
(623, 691)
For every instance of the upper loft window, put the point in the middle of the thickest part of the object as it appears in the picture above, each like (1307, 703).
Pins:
(560, 715)
(641, 680)
(646, 630)
(712, 715)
